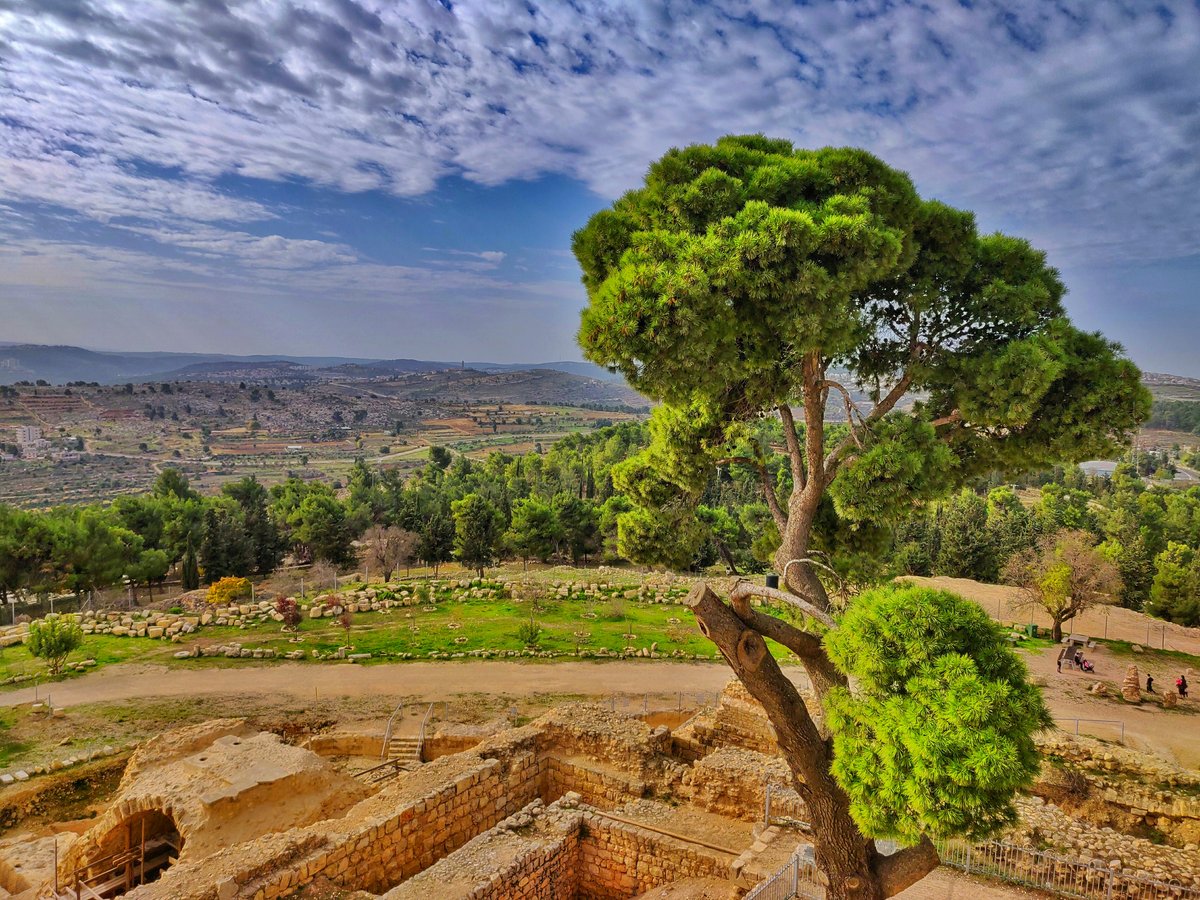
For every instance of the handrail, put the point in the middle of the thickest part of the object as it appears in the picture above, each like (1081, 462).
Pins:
(387, 734)
(421, 736)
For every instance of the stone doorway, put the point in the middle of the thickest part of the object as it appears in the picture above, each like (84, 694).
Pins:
(135, 852)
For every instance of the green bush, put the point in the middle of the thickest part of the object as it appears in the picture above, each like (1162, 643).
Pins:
(53, 639)
(938, 733)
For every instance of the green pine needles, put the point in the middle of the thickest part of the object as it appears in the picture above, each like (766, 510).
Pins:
(938, 732)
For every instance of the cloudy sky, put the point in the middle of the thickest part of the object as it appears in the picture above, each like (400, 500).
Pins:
(401, 177)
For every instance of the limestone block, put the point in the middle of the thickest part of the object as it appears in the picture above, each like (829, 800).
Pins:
(1131, 688)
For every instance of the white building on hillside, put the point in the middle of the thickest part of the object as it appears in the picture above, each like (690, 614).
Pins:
(28, 434)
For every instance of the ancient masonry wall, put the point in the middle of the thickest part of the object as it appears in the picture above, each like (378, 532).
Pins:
(549, 873)
(618, 860)
(390, 848)
(597, 786)
(533, 855)
(732, 782)
(393, 835)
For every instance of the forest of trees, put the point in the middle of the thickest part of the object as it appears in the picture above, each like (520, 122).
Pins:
(563, 505)
(1176, 415)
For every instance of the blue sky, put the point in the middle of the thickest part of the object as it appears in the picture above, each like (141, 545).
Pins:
(401, 178)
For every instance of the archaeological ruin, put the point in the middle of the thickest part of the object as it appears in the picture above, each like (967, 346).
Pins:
(581, 802)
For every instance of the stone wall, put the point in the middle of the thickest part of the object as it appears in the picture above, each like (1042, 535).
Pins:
(618, 860)
(402, 830)
(600, 787)
(338, 744)
(732, 782)
(532, 855)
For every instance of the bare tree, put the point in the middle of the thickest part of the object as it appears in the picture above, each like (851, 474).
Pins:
(389, 547)
(1064, 575)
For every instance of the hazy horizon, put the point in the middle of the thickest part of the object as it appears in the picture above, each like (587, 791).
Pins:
(328, 179)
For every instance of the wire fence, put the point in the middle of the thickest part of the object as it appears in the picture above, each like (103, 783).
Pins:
(1056, 875)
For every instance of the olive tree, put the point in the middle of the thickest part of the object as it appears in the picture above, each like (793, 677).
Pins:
(750, 279)
(1065, 575)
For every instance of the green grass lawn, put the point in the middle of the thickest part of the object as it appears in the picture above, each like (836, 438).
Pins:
(459, 626)
(447, 626)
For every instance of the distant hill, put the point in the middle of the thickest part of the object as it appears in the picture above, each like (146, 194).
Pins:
(61, 364)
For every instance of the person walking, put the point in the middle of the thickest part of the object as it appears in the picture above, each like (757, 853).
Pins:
(1181, 685)
(1149, 683)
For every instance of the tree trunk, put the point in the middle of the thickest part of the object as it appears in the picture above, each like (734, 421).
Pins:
(847, 859)
(1056, 630)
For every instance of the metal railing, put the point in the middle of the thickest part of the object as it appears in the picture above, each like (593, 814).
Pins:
(797, 878)
(387, 734)
(1117, 722)
(1059, 876)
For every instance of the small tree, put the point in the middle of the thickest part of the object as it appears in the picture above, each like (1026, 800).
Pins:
(289, 610)
(1175, 593)
(53, 639)
(189, 573)
(346, 620)
(476, 532)
(1064, 575)
(535, 529)
(389, 548)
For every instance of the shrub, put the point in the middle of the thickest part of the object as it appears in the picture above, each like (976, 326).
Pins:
(228, 589)
(287, 608)
(614, 609)
(530, 633)
(53, 639)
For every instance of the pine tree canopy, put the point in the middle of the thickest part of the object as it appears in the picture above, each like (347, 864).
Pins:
(936, 736)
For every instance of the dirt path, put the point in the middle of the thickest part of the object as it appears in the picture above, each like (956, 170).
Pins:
(947, 884)
(430, 681)
(1001, 602)
(1174, 736)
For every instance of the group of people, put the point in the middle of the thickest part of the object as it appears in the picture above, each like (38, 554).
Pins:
(1181, 684)
(1076, 659)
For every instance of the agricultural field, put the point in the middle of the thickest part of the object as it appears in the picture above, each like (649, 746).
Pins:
(108, 440)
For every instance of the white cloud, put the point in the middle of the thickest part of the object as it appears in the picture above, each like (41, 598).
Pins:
(1074, 123)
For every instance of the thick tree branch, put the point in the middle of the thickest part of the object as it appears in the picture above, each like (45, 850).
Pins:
(882, 408)
(905, 867)
(842, 853)
(851, 409)
(768, 487)
(795, 452)
(806, 645)
(746, 589)
(955, 416)
(814, 394)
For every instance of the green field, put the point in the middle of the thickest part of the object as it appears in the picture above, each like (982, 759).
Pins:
(447, 626)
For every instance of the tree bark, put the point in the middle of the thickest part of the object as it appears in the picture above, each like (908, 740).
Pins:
(847, 859)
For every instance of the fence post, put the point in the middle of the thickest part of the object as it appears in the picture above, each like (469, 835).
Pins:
(795, 876)
(1109, 886)
(968, 869)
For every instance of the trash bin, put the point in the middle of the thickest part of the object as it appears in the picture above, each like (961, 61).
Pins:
(772, 580)
(1031, 630)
